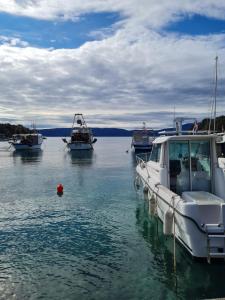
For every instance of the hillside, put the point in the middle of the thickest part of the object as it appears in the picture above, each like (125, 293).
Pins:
(7, 130)
(98, 132)
(220, 124)
(58, 132)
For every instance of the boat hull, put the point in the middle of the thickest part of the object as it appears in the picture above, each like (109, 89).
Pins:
(190, 218)
(26, 147)
(142, 148)
(79, 146)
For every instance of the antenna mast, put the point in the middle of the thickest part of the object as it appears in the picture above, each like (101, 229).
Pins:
(215, 95)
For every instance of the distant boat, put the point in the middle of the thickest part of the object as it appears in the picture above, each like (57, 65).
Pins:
(28, 141)
(142, 139)
(81, 136)
(3, 137)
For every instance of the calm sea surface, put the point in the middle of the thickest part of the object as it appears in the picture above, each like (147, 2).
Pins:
(97, 241)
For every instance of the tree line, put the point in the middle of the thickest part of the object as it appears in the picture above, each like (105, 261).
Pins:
(7, 130)
(220, 124)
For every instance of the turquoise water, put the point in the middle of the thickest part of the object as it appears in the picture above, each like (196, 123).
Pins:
(97, 241)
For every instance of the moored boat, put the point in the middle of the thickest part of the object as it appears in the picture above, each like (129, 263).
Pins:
(187, 186)
(81, 136)
(31, 141)
(142, 139)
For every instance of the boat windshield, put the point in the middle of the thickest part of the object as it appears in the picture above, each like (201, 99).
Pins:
(155, 154)
(190, 166)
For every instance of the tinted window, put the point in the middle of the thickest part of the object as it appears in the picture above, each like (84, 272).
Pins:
(190, 166)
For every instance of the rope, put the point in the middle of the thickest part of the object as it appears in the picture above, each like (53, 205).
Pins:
(174, 238)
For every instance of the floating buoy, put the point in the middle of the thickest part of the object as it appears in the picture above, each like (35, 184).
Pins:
(60, 189)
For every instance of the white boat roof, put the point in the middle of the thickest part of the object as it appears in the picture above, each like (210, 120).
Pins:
(164, 139)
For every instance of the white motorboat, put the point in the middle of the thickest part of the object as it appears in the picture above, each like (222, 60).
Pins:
(30, 141)
(142, 139)
(81, 136)
(186, 186)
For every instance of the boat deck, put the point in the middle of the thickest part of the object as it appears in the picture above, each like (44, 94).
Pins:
(201, 198)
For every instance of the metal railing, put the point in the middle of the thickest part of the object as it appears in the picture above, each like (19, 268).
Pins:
(143, 157)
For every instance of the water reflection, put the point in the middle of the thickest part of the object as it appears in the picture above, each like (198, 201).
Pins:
(81, 157)
(27, 156)
(193, 279)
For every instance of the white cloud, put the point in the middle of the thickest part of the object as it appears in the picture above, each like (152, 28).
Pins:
(113, 77)
(134, 74)
(13, 41)
(152, 12)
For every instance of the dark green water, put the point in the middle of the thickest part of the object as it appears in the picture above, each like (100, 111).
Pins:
(95, 242)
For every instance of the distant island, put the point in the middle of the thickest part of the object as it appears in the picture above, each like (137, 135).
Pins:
(7, 130)
(104, 132)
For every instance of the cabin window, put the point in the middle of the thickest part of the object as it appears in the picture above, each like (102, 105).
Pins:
(179, 166)
(200, 166)
(155, 154)
(190, 166)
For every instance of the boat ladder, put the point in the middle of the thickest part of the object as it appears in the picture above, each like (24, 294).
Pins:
(215, 241)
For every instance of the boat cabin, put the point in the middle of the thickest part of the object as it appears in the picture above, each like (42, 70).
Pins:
(187, 163)
(28, 139)
(81, 135)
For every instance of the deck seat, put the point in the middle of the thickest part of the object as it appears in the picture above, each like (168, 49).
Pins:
(201, 198)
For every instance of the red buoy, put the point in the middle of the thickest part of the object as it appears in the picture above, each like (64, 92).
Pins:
(60, 189)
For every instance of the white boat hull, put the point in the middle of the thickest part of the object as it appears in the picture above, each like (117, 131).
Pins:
(18, 146)
(79, 146)
(140, 148)
(190, 219)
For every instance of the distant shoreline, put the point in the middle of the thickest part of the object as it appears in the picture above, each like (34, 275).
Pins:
(98, 132)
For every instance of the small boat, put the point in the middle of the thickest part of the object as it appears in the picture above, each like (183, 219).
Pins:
(142, 139)
(186, 188)
(30, 141)
(81, 136)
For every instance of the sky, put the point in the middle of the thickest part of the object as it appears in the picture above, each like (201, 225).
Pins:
(120, 63)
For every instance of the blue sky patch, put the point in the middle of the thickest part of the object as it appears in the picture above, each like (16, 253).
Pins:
(56, 34)
(197, 25)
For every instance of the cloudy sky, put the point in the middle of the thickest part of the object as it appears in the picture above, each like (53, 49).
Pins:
(119, 62)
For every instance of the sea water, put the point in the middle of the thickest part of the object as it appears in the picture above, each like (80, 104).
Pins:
(97, 241)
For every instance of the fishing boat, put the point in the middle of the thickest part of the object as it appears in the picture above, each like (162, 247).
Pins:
(142, 139)
(186, 186)
(81, 136)
(31, 141)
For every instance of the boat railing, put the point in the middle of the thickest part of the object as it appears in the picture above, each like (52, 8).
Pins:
(183, 132)
(142, 160)
(143, 157)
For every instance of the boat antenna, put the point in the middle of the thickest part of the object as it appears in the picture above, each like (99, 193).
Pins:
(174, 115)
(213, 106)
(214, 128)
